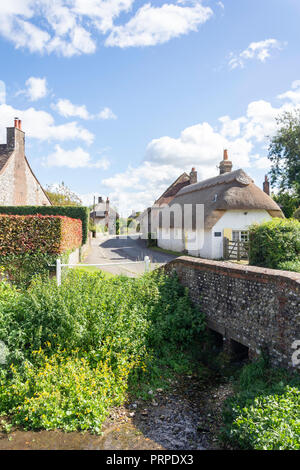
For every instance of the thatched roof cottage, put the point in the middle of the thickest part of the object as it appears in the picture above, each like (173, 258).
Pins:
(202, 214)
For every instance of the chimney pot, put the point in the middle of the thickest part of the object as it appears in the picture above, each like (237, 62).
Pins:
(225, 165)
(266, 186)
(193, 176)
(20, 124)
(16, 122)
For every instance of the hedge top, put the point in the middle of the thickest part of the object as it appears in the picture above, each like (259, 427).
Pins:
(20, 234)
(74, 212)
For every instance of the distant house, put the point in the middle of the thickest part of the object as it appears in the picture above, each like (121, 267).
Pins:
(149, 219)
(231, 203)
(18, 184)
(104, 216)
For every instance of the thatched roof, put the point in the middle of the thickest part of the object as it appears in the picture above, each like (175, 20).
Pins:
(229, 191)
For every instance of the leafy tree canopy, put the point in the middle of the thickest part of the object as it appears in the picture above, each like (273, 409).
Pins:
(284, 153)
(61, 195)
(288, 202)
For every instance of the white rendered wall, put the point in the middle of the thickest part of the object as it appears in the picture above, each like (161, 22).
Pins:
(235, 220)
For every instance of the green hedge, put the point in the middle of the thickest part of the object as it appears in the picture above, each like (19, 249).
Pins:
(275, 242)
(50, 234)
(74, 212)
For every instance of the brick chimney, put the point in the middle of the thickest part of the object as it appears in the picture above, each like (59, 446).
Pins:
(15, 136)
(266, 185)
(225, 165)
(107, 205)
(193, 176)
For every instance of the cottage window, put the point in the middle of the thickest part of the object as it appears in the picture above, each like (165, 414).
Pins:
(240, 235)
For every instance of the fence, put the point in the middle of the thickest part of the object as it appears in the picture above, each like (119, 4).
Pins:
(59, 266)
(236, 250)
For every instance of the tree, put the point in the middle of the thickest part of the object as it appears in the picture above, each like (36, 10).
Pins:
(284, 153)
(287, 202)
(61, 195)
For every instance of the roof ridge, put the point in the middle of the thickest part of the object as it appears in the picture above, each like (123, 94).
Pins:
(239, 175)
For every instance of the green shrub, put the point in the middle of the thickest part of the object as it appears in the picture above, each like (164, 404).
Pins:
(290, 266)
(124, 330)
(274, 242)
(65, 391)
(264, 412)
(20, 269)
(296, 214)
(269, 423)
(74, 212)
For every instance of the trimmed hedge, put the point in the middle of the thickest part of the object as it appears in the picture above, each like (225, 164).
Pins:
(49, 234)
(74, 212)
(274, 242)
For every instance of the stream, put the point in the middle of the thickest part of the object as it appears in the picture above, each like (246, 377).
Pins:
(186, 417)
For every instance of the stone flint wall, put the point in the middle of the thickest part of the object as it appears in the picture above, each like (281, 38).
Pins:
(257, 307)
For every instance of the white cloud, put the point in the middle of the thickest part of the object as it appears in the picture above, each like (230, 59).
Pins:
(292, 95)
(156, 25)
(201, 146)
(2, 92)
(70, 27)
(256, 50)
(36, 88)
(76, 158)
(107, 113)
(67, 109)
(41, 125)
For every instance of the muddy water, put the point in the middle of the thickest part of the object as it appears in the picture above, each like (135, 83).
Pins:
(187, 416)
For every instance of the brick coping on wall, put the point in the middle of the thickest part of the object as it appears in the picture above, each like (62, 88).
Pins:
(256, 273)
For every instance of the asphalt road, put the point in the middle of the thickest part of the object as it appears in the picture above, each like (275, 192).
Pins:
(120, 250)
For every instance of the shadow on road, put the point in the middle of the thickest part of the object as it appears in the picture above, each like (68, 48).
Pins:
(134, 249)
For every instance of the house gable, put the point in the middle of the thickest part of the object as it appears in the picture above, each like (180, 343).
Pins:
(18, 184)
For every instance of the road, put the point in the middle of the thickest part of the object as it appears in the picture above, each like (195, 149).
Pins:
(122, 249)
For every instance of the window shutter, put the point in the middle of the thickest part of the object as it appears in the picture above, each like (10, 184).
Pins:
(227, 233)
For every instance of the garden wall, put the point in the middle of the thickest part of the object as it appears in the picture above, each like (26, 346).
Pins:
(255, 307)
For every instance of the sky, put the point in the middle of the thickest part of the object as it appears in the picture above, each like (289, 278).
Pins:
(119, 97)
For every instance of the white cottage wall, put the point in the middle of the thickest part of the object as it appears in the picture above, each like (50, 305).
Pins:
(235, 220)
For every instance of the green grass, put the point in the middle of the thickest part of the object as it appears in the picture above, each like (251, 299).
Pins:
(168, 252)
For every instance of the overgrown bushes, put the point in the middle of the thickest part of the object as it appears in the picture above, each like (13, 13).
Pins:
(264, 414)
(290, 266)
(93, 336)
(296, 214)
(29, 244)
(274, 242)
(74, 212)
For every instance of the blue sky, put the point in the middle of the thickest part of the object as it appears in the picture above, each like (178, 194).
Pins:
(119, 97)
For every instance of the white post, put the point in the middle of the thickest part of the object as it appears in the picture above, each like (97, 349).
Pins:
(147, 264)
(58, 272)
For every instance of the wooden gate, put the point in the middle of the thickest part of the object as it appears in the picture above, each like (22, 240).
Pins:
(236, 250)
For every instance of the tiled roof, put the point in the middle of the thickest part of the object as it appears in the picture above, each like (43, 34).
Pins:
(4, 156)
(170, 193)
